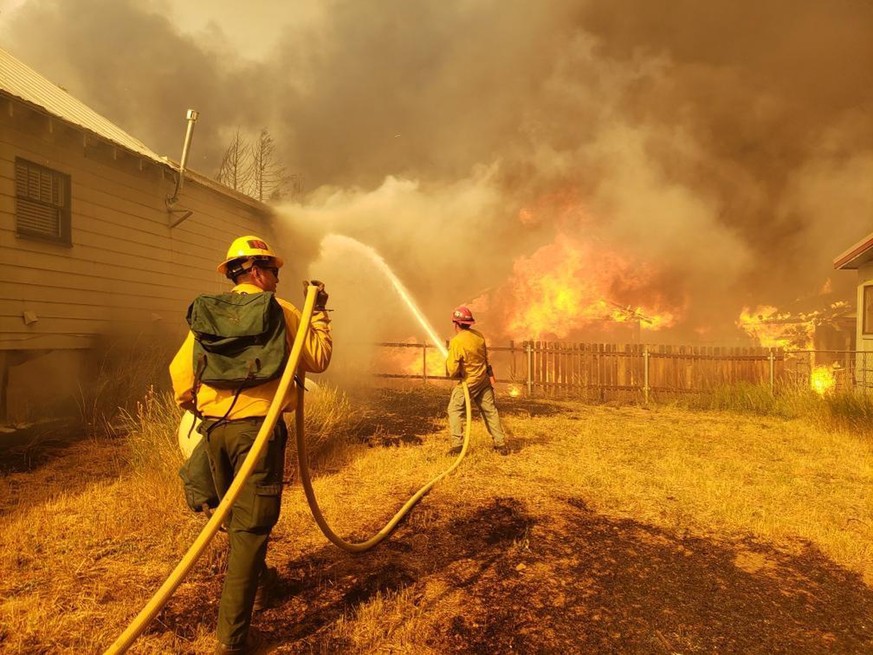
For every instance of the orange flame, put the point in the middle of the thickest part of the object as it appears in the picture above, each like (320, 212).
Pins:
(822, 379)
(408, 361)
(775, 329)
(569, 285)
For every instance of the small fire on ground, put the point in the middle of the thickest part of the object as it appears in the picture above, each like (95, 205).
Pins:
(822, 379)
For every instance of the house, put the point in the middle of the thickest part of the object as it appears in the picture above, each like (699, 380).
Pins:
(99, 235)
(860, 258)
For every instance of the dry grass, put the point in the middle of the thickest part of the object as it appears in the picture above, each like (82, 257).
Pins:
(108, 522)
(330, 420)
(127, 365)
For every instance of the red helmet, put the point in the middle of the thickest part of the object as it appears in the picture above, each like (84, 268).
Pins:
(463, 316)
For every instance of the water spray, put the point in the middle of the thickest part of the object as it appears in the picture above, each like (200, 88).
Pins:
(376, 258)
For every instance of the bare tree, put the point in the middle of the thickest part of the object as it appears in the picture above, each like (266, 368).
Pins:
(267, 175)
(235, 171)
(254, 170)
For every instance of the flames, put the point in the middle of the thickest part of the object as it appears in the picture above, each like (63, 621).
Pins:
(822, 379)
(410, 360)
(774, 329)
(779, 329)
(569, 285)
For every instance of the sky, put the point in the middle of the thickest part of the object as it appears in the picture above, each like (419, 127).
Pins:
(533, 160)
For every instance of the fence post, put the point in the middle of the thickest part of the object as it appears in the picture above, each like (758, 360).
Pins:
(646, 374)
(529, 348)
(424, 362)
(512, 360)
(772, 358)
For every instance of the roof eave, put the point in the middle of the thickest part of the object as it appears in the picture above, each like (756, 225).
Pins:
(171, 165)
(856, 256)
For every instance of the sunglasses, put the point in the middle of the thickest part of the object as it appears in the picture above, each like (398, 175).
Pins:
(273, 269)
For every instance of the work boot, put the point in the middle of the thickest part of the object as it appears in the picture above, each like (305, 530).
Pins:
(454, 451)
(268, 583)
(502, 450)
(254, 644)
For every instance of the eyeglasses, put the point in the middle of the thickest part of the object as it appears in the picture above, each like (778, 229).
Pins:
(273, 269)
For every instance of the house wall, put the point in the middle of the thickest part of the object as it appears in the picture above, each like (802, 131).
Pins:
(127, 272)
(864, 363)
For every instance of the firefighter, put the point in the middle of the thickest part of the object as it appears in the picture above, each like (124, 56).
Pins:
(468, 360)
(231, 422)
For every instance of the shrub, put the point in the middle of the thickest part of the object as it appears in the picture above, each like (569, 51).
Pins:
(850, 410)
(151, 430)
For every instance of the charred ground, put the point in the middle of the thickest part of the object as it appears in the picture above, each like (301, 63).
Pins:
(575, 583)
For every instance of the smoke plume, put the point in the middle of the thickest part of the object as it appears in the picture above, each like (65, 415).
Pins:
(694, 157)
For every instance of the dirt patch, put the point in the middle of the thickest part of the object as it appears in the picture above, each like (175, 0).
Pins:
(35, 471)
(26, 448)
(390, 418)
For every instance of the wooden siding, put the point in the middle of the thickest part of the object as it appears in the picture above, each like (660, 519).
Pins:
(865, 342)
(126, 269)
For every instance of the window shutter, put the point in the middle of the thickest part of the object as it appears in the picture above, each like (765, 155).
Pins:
(36, 218)
(42, 196)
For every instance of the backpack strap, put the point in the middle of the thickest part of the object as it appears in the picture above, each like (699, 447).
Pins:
(224, 419)
(198, 374)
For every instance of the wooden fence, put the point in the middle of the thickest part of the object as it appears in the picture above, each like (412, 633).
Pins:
(620, 371)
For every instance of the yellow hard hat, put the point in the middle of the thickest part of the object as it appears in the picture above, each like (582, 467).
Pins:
(249, 247)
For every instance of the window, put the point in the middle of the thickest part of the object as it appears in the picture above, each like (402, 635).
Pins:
(42, 202)
(868, 310)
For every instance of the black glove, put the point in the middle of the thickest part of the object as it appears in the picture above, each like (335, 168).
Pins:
(321, 297)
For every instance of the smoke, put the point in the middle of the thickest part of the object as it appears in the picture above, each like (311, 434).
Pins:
(725, 148)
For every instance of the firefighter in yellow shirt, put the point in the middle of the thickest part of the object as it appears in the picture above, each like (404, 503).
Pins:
(231, 422)
(468, 360)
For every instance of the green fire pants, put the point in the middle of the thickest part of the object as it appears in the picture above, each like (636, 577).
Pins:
(484, 400)
(252, 516)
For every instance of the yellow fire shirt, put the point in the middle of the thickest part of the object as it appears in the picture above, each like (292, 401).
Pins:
(254, 401)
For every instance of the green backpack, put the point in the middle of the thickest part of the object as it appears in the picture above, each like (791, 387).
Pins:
(239, 339)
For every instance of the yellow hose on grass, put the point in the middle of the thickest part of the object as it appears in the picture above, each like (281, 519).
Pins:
(170, 585)
(358, 547)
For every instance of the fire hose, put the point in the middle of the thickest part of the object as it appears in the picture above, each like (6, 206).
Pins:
(358, 547)
(162, 595)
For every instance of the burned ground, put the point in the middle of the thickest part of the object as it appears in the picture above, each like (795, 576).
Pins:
(574, 583)
(390, 417)
(28, 447)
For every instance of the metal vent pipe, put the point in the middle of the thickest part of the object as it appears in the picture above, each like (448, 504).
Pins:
(192, 118)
